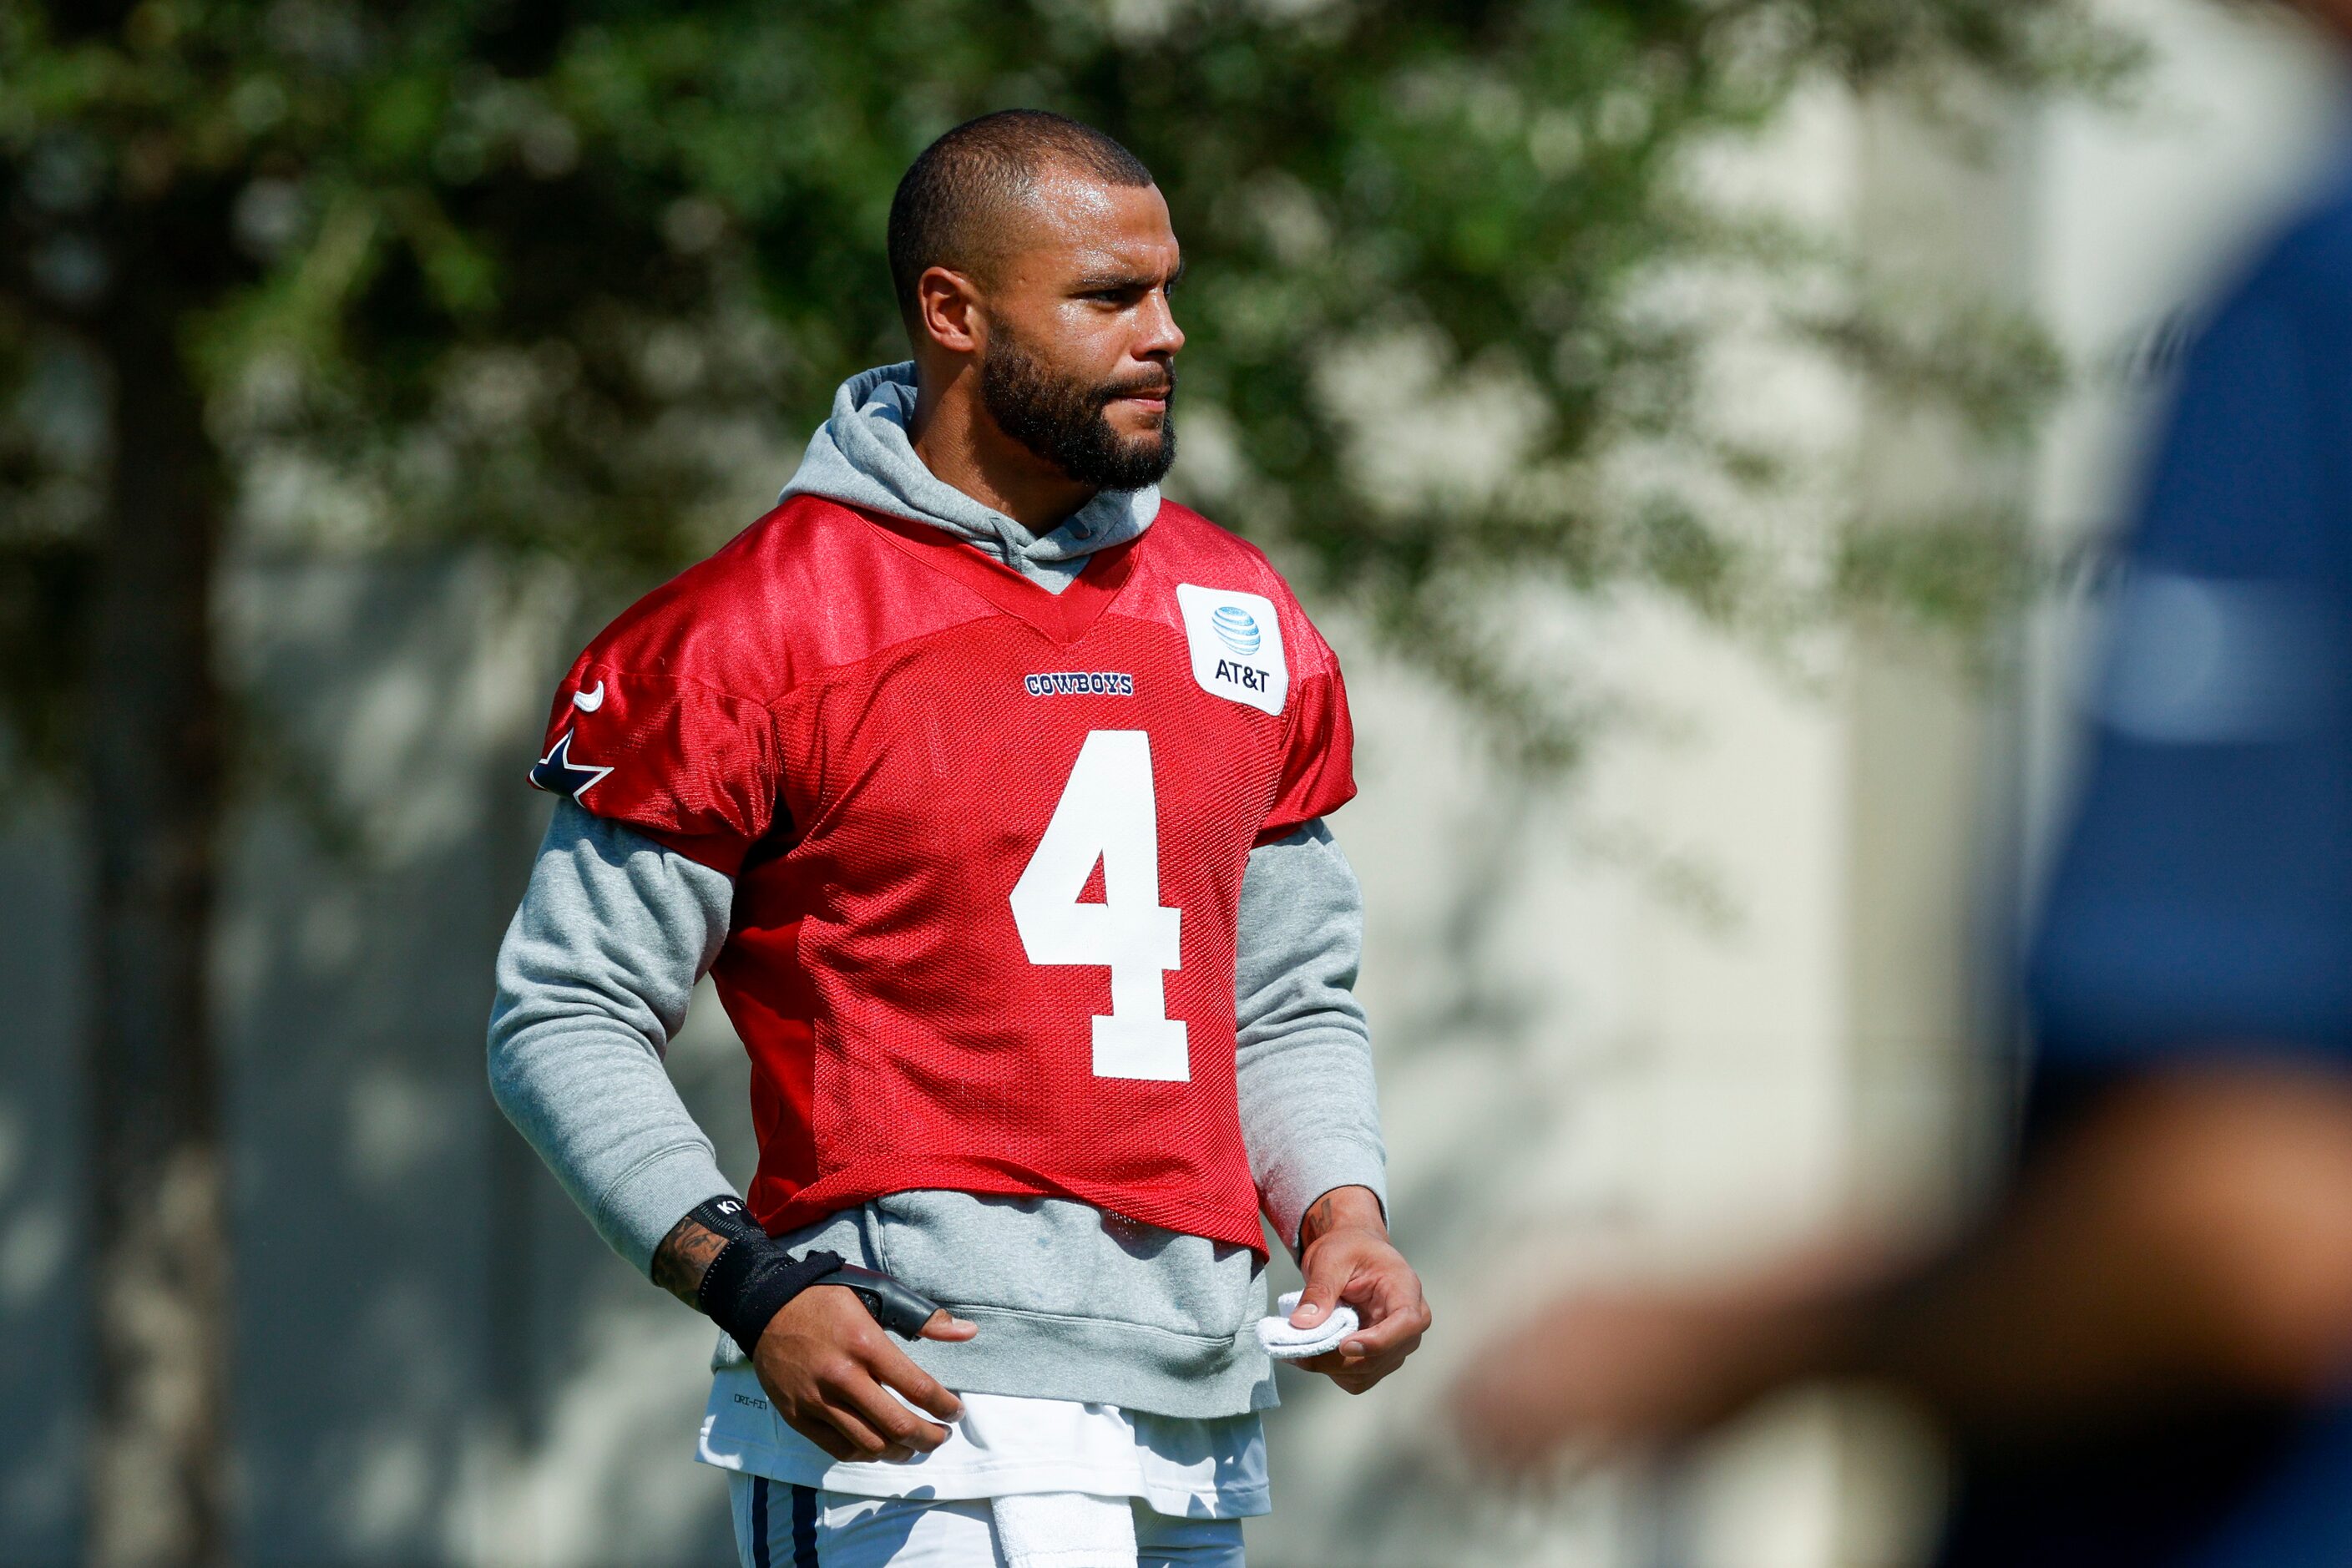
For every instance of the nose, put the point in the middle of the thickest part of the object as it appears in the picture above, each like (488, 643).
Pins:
(1161, 337)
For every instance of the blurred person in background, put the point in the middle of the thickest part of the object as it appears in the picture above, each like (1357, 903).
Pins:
(989, 788)
(2143, 1351)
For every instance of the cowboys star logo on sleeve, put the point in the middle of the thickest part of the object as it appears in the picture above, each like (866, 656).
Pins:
(557, 773)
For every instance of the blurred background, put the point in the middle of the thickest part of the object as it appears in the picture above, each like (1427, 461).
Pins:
(1695, 424)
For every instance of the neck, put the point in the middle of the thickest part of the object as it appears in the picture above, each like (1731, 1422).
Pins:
(962, 446)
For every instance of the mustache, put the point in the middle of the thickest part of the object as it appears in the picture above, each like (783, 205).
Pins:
(1160, 385)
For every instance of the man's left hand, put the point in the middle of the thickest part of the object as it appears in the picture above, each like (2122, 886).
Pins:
(1348, 1256)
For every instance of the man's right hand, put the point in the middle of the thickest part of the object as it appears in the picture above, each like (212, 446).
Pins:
(830, 1369)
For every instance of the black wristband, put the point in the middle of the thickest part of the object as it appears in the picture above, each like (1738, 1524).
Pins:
(753, 1277)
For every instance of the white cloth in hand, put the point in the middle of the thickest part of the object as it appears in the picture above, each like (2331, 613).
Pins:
(1283, 1343)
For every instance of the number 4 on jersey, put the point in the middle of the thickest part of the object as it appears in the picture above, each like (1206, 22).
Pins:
(1108, 813)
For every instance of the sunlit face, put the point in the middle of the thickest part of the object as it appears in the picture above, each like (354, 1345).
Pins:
(1077, 342)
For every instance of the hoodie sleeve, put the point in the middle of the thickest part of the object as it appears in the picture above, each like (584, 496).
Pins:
(1310, 1112)
(593, 980)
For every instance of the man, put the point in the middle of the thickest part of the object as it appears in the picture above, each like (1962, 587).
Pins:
(988, 788)
(2144, 1351)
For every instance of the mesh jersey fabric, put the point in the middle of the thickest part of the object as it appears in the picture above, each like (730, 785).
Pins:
(872, 726)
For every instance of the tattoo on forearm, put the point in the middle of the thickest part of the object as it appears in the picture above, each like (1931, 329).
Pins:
(683, 1256)
(1341, 1208)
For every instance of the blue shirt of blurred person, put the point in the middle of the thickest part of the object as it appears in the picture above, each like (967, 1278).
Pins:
(2204, 904)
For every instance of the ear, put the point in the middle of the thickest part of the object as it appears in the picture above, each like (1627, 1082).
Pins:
(946, 303)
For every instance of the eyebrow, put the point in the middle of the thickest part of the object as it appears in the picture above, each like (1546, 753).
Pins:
(1106, 280)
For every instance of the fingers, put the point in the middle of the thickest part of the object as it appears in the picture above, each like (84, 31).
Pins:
(945, 1325)
(1352, 1378)
(823, 1433)
(872, 1363)
(1315, 1302)
(1394, 1329)
(896, 1370)
(1353, 1373)
(847, 1408)
(900, 1427)
(873, 1423)
(1395, 1319)
(842, 1434)
(837, 1378)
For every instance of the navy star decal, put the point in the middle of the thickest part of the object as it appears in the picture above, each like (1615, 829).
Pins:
(557, 773)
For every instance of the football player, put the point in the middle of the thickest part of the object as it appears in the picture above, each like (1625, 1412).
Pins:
(988, 788)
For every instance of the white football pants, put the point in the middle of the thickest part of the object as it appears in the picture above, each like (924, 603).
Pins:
(778, 1525)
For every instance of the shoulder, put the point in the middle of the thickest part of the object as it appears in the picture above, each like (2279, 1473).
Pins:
(1184, 539)
(1189, 545)
(752, 619)
(2313, 252)
(774, 562)
(1189, 548)
(2296, 293)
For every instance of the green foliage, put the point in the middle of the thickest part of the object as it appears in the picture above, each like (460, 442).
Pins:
(1955, 573)
(572, 279)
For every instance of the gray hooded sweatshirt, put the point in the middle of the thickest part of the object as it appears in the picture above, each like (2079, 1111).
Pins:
(1072, 1302)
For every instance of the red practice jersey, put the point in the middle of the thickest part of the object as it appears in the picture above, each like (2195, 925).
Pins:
(987, 843)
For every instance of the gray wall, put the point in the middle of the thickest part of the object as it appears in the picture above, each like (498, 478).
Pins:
(423, 1323)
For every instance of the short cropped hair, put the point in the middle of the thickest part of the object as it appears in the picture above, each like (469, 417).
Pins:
(951, 204)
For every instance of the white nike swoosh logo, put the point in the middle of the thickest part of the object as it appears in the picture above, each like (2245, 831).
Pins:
(589, 702)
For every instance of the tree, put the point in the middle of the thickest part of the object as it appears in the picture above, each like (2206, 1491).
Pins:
(536, 276)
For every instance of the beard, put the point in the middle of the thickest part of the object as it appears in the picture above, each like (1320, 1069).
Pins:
(1066, 422)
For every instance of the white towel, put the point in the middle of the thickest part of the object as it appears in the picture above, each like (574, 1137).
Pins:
(1065, 1530)
(1283, 1343)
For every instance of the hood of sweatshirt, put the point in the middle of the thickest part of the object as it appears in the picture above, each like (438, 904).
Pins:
(863, 456)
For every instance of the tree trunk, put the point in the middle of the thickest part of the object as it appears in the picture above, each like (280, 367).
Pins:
(159, 1267)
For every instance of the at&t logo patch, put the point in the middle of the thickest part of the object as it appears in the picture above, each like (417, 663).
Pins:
(1236, 645)
(1237, 629)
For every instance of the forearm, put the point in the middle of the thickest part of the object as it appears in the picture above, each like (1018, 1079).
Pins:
(720, 1261)
(594, 979)
(603, 1115)
(2195, 1238)
(1342, 1208)
(1310, 1109)
(684, 1256)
